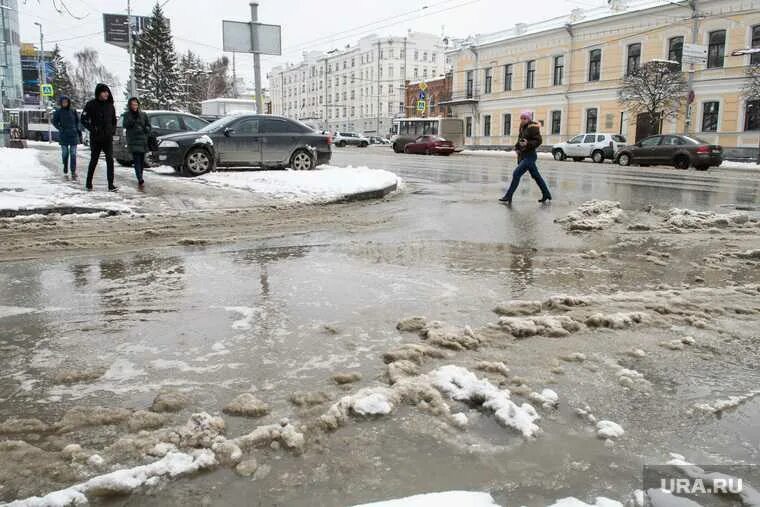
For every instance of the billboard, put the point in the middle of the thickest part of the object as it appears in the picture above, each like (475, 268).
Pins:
(237, 38)
(115, 28)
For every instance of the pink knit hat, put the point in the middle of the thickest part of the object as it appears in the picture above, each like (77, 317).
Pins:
(526, 114)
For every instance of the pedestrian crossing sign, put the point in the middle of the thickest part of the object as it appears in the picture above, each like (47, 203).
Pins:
(46, 90)
(421, 106)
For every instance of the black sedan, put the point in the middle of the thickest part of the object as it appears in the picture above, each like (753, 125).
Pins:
(678, 151)
(246, 140)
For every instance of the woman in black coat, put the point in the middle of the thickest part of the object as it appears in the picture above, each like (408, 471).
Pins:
(137, 125)
(66, 121)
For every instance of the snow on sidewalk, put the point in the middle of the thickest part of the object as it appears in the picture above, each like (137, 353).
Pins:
(728, 164)
(503, 153)
(445, 499)
(325, 184)
(26, 184)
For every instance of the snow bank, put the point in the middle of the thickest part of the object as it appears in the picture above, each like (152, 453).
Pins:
(728, 164)
(503, 153)
(444, 499)
(124, 481)
(26, 184)
(593, 215)
(609, 429)
(326, 184)
(462, 385)
(690, 219)
(574, 502)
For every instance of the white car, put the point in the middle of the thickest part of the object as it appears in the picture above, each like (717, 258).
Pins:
(343, 139)
(597, 146)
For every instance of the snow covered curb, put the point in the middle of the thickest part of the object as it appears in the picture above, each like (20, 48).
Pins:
(747, 166)
(326, 184)
(174, 464)
(443, 499)
(502, 153)
(29, 188)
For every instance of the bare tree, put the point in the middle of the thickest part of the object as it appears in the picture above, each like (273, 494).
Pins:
(752, 93)
(87, 74)
(657, 88)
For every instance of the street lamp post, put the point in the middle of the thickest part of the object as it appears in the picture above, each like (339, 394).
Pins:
(41, 67)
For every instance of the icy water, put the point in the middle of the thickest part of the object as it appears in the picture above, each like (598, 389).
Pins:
(282, 316)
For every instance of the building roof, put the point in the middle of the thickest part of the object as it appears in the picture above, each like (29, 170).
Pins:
(613, 8)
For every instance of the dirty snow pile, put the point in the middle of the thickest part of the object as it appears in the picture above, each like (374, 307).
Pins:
(443, 499)
(328, 183)
(592, 215)
(26, 184)
(174, 464)
(689, 219)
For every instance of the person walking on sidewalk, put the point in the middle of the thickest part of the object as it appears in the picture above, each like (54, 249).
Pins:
(137, 125)
(66, 121)
(529, 140)
(99, 117)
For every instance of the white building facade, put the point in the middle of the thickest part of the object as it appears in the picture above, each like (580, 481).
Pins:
(360, 88)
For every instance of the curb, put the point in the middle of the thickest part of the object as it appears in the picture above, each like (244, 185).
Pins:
(60, 210)
(369, 194)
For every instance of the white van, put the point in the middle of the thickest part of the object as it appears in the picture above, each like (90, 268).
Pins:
(597, 146)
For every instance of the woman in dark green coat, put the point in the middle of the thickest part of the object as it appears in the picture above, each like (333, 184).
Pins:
(137, 125)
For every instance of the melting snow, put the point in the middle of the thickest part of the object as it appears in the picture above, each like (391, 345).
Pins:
(445, 499)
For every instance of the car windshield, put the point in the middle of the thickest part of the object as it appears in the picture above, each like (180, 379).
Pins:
(219, 124)
(619, 139)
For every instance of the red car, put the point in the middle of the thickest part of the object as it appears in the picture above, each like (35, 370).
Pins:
(430, 145)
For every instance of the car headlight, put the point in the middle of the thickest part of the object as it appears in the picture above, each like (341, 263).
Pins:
(168, 144)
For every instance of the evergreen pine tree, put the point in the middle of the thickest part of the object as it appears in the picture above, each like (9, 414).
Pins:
(61, 80)
(193, 75)
(156, 77)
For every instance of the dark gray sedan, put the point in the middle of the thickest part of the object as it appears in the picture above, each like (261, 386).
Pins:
(678, 151)
(246, 140)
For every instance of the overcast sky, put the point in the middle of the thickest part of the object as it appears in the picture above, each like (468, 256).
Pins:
(306, 24)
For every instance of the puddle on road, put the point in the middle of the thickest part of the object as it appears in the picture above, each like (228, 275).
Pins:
(278, 319)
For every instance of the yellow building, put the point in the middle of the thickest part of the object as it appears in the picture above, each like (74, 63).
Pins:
(568, 70)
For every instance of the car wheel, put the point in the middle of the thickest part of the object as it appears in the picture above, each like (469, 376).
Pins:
(681, 162)
(342, 144)
(397, 148)
(406, 150)
(302, 161)
(578, 159)
(598, 156)
(363, 145)
(559, 155)
(624, 159)
(124, 162)
(197, 162)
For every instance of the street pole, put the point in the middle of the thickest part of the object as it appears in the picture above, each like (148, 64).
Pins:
(692, 69)
(379, 65)
(256, 58)
(132, 91)
(2, 81)
(234, 76)
(40, 67)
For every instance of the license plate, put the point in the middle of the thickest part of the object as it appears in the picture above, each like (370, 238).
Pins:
(716, 151)
(162, 157)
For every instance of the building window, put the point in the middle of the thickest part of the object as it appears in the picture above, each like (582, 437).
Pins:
(752, 115)
(470, 84)
(675, 50)
(530, 74)
(506, 128)
(594, 64)
(556, 122)
(508, 77)
(755, 58)
(424, 56)
(488, 80)
(487, 125)
(416, 55)
(591, 119)
(416, 73)
(634, 58)
(433, 57)
(424, 73)
(710, 116)
(468, 126)
(716, 49)
(559, 70)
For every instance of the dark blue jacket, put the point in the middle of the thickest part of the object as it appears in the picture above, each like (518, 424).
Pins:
(66, 120)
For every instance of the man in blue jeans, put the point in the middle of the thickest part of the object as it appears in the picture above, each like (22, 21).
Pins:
(529, 140)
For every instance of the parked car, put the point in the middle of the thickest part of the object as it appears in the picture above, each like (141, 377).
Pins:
(598, 146)
(162, 123)
(343, 139)
(246, 140)
(430, 145)
(679, 151)
(378, 140)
